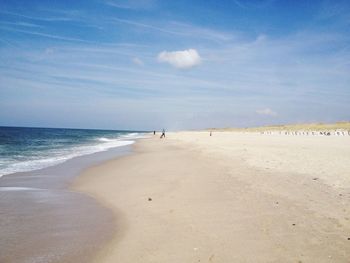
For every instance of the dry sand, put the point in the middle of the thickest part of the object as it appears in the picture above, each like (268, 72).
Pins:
(231, 197)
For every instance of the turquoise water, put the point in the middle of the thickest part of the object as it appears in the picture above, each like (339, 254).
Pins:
(26, 149)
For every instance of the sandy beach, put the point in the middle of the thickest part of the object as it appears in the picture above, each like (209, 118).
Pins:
(231, 197)
(146, 131)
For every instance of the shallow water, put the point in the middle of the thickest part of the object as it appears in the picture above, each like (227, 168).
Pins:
(26, 149)
(42, 221)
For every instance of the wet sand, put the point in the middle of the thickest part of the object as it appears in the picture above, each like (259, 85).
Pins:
(42, 220)
(227, 198)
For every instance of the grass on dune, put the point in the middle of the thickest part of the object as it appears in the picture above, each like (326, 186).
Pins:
(293, 127)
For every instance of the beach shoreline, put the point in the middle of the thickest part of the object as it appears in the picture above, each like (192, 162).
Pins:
(44, 220)
(195, 198)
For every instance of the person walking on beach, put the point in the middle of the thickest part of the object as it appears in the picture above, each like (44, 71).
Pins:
(154, 132)
(163, 134)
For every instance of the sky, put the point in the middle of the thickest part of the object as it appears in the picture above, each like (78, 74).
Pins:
(148, 64)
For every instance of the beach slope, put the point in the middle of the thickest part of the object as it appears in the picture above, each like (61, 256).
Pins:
(231, 197)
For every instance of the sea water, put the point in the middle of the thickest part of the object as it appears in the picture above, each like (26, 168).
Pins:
(41, 218)
(28, 149)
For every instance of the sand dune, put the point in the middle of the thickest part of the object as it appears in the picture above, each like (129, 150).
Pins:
(338, 126)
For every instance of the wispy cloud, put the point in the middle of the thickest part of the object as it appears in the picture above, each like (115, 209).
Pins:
(253, 4)
(266, 112)
(131, 4)
(191, 30)
(35, 33)
(180, 29)
(48, 19)
(143, 25)
(238, 3)
(19, 23)
(138, 61)
(241, 72)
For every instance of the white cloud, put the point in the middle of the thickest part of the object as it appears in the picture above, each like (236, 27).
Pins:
(267, 112)
(180, 59)
(138, 61)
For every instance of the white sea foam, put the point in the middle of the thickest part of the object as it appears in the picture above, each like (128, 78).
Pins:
(104, 139)
(12, 188)
(60, 156)
(134, 136)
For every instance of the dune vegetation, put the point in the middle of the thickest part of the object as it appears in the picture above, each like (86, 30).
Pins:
(294, 127)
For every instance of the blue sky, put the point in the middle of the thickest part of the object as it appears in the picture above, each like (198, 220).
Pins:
(147, 64)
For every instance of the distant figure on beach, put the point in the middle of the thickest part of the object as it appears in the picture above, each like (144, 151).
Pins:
(210, 133)
(163, 134)
(154, 132)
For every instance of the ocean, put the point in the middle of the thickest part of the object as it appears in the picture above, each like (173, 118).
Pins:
(42, 218)
(27, 149)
